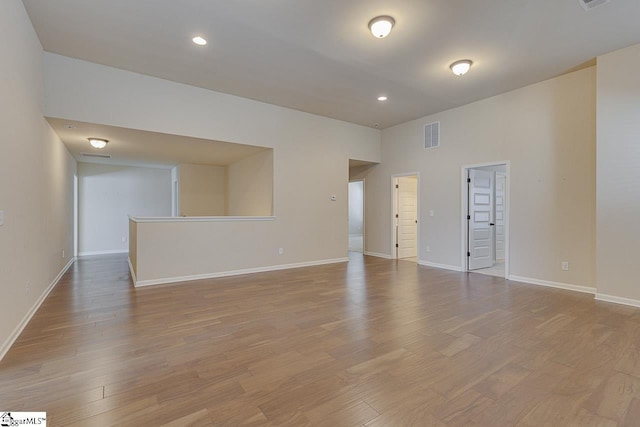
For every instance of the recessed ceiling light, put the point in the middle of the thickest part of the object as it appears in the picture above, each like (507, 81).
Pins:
(381, 26)
(382, 98)
(68, 126)
(98, 142)
(461, 67)
(200, 41)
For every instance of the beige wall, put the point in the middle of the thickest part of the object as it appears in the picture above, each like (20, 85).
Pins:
(618, 171)
(133, 246)
(36, 177)
(202, 190)
(205, 248)
(310, 162)
(547, 132)
(250, 185)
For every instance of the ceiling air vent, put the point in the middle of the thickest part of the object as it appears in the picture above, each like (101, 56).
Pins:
(102, 156)
(432, 135)
(590, 4)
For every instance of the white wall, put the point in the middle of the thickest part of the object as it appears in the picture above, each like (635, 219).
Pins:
(71, 88)
(547, 131)
(618, 172)
(202, 190)
(36, 178)
(310, 159)
(356, 207)
(107, 195)
(250, 185)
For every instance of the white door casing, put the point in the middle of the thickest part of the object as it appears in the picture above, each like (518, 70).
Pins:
(481, 236)
(407, 216)
(501, 182)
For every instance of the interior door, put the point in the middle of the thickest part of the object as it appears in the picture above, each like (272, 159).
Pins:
(501, 182)
(481, 237)
(407, 216)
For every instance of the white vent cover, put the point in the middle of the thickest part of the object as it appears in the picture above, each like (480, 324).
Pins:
(102, 156)
(432, 135)
(590, 4)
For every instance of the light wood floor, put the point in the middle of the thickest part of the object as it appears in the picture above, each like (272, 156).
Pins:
(372, 342)
(496, 270)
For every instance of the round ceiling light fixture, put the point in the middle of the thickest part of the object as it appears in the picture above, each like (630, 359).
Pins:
(382, 98)
(381, 26)
(200, 41)
(460, 68)
(98, 142)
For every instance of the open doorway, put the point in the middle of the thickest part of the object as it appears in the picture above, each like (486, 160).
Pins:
(75, 214)
(356, 216)
(405, 214)
(485, 218)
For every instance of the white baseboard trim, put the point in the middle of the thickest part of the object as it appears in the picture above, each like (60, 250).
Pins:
(567, 286)
(27, 317)
(133, 273)
(443, 266)
(115, 251)
(618, 300)
(141, 283)
(378, 255)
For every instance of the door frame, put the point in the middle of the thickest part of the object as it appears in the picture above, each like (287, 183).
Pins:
(175, 191)
(364, 213)
(394, 252)
(464, 244)
(76, 207)
(495, 239)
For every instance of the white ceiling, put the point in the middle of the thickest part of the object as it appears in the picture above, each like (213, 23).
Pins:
(319, 57)
(141, 148)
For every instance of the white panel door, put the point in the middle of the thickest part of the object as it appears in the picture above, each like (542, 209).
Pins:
(407, 216)
(481, 238)
(501, 182)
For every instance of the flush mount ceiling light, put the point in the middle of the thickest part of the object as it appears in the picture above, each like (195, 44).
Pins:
(200, 41)
(382, 98)
(98, 142)
(381, 26)
(461, 67)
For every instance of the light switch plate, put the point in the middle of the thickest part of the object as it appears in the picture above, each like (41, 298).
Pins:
(1, 217)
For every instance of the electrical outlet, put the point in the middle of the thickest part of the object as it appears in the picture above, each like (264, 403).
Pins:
(63, 254)
(27, 288)
(124, 239)
(565, 265)
(280, 251)
(428, 249)
(1, 217)
(432, 213)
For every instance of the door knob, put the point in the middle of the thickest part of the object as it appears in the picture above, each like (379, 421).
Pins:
(491, 224)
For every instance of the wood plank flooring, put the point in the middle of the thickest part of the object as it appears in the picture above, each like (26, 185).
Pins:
(369, 343)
